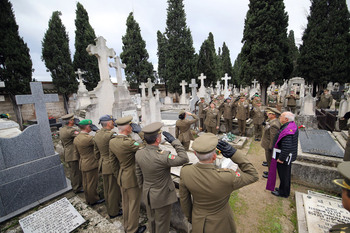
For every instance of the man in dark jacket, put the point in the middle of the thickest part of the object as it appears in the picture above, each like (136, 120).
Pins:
(287, 142)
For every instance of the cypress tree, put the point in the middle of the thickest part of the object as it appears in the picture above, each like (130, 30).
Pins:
(15, 62)
(135, 55)
(207, 62)
(265, 49)
(293, 54)
(85, 35)
(180, 63)
(56, 55)
(161, 53)
(226, 61)
(237, 70)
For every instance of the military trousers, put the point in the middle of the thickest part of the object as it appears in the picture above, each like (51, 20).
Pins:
(90, 181)
(347, 151)
(212, 129)
(258, 131)
(284, 173)
(201, 124)
(241, 127)
(112, 194)
(291, 109)
(228, 124)
(75, 176)
(158, 219)
(131, 199)
(186, 145)
(268, 156)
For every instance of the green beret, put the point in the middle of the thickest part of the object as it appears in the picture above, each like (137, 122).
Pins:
(205, 143)
(124, 120)
(344, 170)
(152, 128)
(68, 116)
(85, 122)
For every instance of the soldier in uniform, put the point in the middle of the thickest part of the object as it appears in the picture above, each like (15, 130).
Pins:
(344, 170)
(326, 100)
(123, 149)
(88, 163)
(201, 114)
(292, 101)
(271, 129)
(67, 135)
(256, 99)
(211, 187)
(111, 188)
(182, 129)
(272, 99)
(153, 173)
(228, 109)
(212, 118)
(258, 116)
(242, 109)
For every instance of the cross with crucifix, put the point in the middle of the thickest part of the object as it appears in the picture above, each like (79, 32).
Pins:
(143, 90)
(38, 98)
(80, 74)
(254, 83)
(183, 85)
(202, 77)
(118, 67)
(149, 85)
(193, 85)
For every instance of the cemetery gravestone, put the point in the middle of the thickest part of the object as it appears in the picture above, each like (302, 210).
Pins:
(226, 91)
(202, 91)
(183, 99)
(83, 98)
(30, 170)
(193, 85)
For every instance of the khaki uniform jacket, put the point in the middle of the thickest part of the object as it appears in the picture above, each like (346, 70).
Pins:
(123, 149)
(211, 189)
(255, 101)
(272, 100)
(325, 101)
(182, 129)
(270, 131)
(101, 149)
(212, 118)
(67, 135)
(242, 109)
(153, 173)
(292, 100)
(228, 110)
(201, 106)
(84, 149)
(258, 115)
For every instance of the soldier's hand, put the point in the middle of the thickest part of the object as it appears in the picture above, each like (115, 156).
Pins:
(168, 137)
(135, 128)
(226, 149)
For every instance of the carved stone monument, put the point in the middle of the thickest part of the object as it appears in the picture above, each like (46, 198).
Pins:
(202, 91)
(194, 98)
(226, 91)
(183, 99)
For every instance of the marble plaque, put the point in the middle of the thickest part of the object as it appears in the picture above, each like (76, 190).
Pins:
(323, 212)
(60, 216)
(133, 113)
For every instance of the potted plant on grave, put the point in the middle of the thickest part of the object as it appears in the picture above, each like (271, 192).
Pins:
(52, 120)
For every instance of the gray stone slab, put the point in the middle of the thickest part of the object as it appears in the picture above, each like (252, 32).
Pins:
(302, 227)
(319, 142)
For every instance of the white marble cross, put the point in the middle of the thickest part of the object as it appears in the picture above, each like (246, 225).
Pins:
(80, 74)
(183, 84)
(193, 85)
(102, 52)
(143, 90)
(226, 78)
(149, 85)
(118, 67)
(308, 88)
(202, 77)
(254, 83)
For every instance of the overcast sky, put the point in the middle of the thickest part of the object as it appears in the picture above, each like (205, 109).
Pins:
(224, 18)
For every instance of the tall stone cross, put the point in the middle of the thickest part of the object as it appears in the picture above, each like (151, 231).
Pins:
(38, 98)
(202, 77)
(143, 90)
(118, 68)
(226, 78)
(183, 84)
(149, 85)
(308, 89)
(254, 83)
(80, 74)
(102, 52)
(193, 85)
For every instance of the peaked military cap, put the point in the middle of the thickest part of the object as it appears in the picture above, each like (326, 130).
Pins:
(152, 128)
(68, 116)
(344, 170)
(182, 112)
(85, 122)
(273, 111)
(124, 120)
(205, 143)
(202, 97)
(106, 118)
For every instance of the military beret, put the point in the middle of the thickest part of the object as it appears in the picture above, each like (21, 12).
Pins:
(152, 128)
(344, 170)
(106, 118)
(68, 116)
(182, 112)
(205, 143)
(202, 97)
(124, 120)
(273, 111)
(85, 122)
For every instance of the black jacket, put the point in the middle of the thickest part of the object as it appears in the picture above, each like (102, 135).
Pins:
(288, 144)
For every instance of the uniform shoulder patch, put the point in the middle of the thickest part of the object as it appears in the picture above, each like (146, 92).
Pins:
(136, 143)
(171, 156)
(76, 132)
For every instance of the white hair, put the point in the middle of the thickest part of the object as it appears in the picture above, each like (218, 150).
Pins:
(290, 116)
(205, 157)
(122, 127)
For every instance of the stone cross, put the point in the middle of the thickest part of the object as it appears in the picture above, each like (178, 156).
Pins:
(80, 74)
(157, 92)
(193, 85)
(118, 67)
(202, 77)
(308, 88)
(183, 85)
(2, 98)
(143, 90)
(102, 52)
(254, 83)
(226, 78)
(38, 98)
(149, 85)
(218, 84)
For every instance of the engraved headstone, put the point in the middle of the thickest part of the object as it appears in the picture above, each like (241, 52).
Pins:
(30, 170)
(183, 99)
